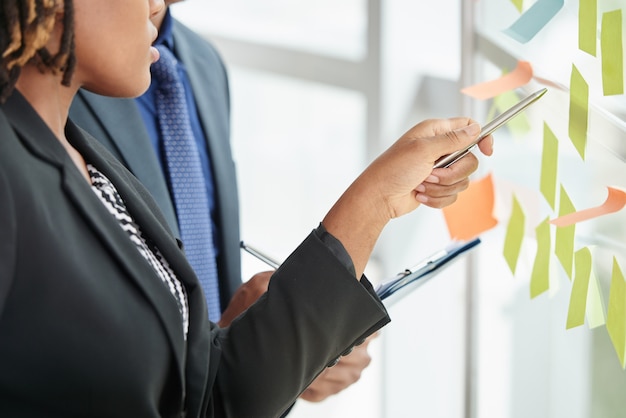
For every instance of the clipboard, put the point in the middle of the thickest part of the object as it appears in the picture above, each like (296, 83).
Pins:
(410, 279)
(405, 282)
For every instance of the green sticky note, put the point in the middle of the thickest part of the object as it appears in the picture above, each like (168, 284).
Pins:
(580, 287)
(578, 111)
(540, 276)
(587, 25)
(514, 235)
(519, 5)
(549, 163)
(616, 317)
(519, 124)
(564, 241)
(595, 303)
(612, 53)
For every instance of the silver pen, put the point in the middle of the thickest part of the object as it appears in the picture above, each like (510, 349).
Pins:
(490, 127)
(258, 254)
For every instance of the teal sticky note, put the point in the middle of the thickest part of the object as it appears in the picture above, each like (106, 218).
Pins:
(533, 20)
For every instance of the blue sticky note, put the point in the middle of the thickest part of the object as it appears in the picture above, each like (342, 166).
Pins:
(533, 20)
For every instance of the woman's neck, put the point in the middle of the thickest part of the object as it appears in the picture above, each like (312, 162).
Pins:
(48, 97)
(51, 100)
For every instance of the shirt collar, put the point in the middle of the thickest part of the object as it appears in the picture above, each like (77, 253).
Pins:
(166, 36)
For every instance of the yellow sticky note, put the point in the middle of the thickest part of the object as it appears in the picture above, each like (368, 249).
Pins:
(564, 241)
(514, 235)
(616, 318)
(580, 287)
(578, 111)
(519, 4)
(612, 53)
(549, 163)
(587, 25)
(540, 276)
(595, 303)
(519, 124)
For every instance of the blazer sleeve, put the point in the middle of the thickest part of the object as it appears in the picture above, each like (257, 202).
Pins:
(314, 312)
(7, 239)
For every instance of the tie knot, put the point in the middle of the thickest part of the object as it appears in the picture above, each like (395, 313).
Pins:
(165, 70)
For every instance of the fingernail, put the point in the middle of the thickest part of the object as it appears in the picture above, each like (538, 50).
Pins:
(420, 189)
(472, 129)
(432, 179)
(421, 198)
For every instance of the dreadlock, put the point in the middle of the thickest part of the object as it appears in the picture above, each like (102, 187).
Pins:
(25, 28)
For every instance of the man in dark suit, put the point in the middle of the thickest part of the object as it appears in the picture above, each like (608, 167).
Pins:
(128, 128)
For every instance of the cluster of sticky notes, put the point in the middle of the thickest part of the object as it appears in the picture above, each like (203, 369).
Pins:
(472, 214)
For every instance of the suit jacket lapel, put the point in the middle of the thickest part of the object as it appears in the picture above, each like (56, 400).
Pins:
(119, 117)
(39, 139)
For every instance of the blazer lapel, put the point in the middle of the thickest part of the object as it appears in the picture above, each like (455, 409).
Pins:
(199, 352)
(118, 117)
(40, 140)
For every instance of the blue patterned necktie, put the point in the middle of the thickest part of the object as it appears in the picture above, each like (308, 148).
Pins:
(186, 178)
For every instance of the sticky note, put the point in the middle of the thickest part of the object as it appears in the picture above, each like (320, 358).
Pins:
(587, 25)
(580, 287)
(614, 202)
(616, 316)
(540, 276)
(549, 165)
(533, 20)
(519, 124)
(472, 213)
(595, 303)
(520, 76)
(564, 240)
(519, 5)
(612, 53)
(578, 111)
(514, 235)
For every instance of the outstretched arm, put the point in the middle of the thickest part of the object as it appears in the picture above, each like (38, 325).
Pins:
(390, 186)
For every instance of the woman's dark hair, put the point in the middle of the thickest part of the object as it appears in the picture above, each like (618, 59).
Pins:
(25, 27)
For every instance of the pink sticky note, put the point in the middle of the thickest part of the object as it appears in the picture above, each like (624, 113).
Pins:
(488, 89)
(615, 201)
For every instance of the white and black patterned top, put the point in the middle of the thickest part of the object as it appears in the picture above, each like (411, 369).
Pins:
(111, 199)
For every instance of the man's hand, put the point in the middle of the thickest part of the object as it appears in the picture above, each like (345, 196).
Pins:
(335, 379)
(246, 295)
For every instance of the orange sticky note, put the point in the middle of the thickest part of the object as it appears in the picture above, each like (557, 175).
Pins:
(615, 201)
(471, 214)
(488, 89)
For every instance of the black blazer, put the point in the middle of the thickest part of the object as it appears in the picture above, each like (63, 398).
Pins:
(119, 126)
(87, 329)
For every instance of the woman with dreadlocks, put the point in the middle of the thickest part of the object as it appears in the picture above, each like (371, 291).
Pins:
(100, 313)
